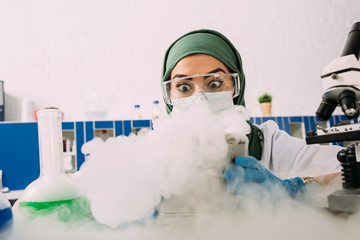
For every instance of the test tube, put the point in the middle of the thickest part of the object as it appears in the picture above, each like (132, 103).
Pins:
(50, 142)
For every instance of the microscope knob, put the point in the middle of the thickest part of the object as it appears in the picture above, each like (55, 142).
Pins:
(341, 156)
(350, 154)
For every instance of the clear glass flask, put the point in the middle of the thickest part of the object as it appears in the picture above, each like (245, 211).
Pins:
(53, 184)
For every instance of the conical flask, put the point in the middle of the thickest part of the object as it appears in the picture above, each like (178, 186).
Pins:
(53, 184)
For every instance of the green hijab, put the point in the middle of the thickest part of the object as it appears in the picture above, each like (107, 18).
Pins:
(216, 45)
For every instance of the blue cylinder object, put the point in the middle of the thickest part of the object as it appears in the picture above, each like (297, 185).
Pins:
(5, 214)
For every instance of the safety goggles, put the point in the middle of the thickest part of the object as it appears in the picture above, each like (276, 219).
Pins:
(188, 86)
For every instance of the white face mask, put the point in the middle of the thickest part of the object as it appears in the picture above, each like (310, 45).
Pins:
(216, 101)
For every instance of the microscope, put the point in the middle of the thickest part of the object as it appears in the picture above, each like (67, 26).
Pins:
(341, 81)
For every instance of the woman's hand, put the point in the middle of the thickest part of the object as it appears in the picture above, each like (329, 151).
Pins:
(248, 174)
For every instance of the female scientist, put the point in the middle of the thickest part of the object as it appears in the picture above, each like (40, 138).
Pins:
(205, 62)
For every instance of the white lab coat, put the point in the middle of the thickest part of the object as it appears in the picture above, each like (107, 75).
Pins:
(288, 157)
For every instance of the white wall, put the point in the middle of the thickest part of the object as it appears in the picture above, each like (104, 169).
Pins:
(60, 53)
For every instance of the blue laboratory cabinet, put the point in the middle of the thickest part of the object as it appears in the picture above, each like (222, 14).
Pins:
(19, 147)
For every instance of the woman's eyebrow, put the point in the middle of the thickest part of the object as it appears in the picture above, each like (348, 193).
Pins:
(213, 71)
(217, 70)
(180, 76)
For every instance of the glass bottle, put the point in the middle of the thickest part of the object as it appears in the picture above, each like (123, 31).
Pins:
(156, 110)
(137, 112)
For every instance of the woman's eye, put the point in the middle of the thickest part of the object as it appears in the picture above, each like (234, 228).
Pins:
(183, 87)
(215, 84)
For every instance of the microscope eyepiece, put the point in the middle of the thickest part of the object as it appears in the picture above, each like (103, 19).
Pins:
(352, 45)
(348, 103)
(325, 109)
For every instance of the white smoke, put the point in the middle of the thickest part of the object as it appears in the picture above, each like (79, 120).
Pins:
(125, 178)
(177, 169)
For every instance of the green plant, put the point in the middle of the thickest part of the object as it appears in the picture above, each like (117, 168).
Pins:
(265, 98)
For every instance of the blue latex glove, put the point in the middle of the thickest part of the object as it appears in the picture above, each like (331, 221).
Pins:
(249, 173)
